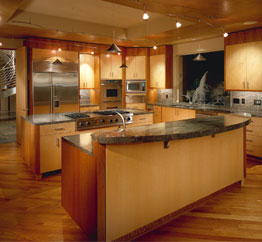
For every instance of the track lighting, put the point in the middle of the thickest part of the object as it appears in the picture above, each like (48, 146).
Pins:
(154, 47)
(225, 34)
(178, 24)
(145, 14)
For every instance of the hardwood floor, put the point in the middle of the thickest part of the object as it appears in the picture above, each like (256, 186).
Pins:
(31, 210)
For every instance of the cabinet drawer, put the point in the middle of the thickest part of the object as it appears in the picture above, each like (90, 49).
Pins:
(89, 109)
(255, 121)
(254, 130)
(254, 150)
(141, 106)
(57, 128)
(254, 140)
(143, 119)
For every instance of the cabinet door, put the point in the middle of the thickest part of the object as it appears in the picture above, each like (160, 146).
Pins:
(116, 63)
(131, 70)
(106, 67)
(157, 71)
(157, 116)
(141, 106)
(254, 66)
(236, 66)
(140, 67)
(87, 77)
(169, 114)
(49, 153)
(185, 114)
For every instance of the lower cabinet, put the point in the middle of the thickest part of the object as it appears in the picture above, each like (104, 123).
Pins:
(169, 114)
(142, 119)
(254, 137)
(141, 106)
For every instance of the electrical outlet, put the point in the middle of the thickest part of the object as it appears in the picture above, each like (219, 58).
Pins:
(243, 100)
(257, 102)
(166, 95)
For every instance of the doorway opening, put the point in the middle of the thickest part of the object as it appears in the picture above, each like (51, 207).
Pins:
(7, 96)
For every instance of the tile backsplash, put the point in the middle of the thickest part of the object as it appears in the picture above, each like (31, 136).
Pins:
(246, 100)
(165, 96)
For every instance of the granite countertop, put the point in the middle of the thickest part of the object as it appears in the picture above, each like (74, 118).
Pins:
(206, 107)
(45, 119)
(177, 130)
(55, 118)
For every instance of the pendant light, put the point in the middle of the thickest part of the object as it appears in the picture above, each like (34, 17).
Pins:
(123, 66)
(57, 61)
(199, 57)
(145, 14)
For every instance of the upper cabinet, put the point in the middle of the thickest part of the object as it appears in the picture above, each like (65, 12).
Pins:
(110, 67)
(136, 68)
(161, 67)
(243, 60)
(87, 77)
(244, 67)
(158, 71)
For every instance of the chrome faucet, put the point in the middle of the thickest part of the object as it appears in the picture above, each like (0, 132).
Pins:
(123, 120)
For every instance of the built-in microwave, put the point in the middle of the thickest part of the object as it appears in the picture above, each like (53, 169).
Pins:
(136, 86)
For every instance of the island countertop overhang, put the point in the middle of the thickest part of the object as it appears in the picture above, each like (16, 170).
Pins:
(162, 132)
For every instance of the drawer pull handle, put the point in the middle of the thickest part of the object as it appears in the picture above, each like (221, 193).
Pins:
(249, 140)
(142, 118)
(249, 150)
(249, 130)
(59, 129)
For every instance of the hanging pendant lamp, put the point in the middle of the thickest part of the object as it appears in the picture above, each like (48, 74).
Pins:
(113, 48)
(57, 61)
(123, 66)
(199, 57)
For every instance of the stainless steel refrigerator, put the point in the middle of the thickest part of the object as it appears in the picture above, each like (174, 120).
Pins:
(55, 92)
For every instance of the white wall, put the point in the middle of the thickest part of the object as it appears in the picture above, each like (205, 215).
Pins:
(179, 50)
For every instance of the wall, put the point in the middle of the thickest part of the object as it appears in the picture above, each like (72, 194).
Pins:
(11, 43)
(209, 45)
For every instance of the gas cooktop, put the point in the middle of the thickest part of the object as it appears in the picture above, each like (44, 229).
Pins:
(100, 119)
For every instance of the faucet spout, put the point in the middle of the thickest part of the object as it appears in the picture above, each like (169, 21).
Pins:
(123, 120)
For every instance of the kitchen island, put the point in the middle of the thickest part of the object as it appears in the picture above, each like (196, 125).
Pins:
(119, 184)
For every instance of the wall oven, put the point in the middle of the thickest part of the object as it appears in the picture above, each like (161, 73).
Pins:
(136, 86)
(111, 94)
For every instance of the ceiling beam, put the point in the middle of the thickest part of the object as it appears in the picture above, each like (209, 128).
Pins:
(7, 9)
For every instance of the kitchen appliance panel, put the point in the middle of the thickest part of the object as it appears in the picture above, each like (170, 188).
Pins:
(65, 92)
(111, 105)
(135, 98)
(136, 86)
(42, 93)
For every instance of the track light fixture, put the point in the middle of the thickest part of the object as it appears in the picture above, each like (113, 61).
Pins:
(154, 47)
(178, 24)
(145, 14)
(225, 34)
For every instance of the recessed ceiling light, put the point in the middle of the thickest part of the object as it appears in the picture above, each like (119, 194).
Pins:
(107, 56)
(1, 43)
(225, 34)
(92, 52)
(178, 24)
(154, 47)
(250, 22)
(59, 49)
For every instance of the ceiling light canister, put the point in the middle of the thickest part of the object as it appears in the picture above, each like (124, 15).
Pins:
(59, 49)
(225, 34)
(178, 24)
(1, 44)
(154, 47)
(92, 52)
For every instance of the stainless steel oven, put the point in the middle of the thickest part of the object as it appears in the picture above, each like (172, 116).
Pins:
(111, 94)
(136, 86)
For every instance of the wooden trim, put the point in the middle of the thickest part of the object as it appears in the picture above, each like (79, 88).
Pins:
(245, 152)
(159, 51)
(245, 36)
(30, 80)
(124, 54)
(169, 66)
(100, 160)
(136, 51)
(147, 228)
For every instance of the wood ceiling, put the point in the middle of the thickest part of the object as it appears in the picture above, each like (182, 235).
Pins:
(208, 20)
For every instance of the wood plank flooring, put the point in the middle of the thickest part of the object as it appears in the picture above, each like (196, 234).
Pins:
(31, 210)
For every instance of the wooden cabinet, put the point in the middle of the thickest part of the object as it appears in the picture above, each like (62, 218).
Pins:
(243, 67)
(254, 137)
(158, 71)
(142, 119)
(157, 114)
(89, 109)
(254, 66)
(141, 106)
(110, 67)
(87, 77)
(169, 114)
(136, 68)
